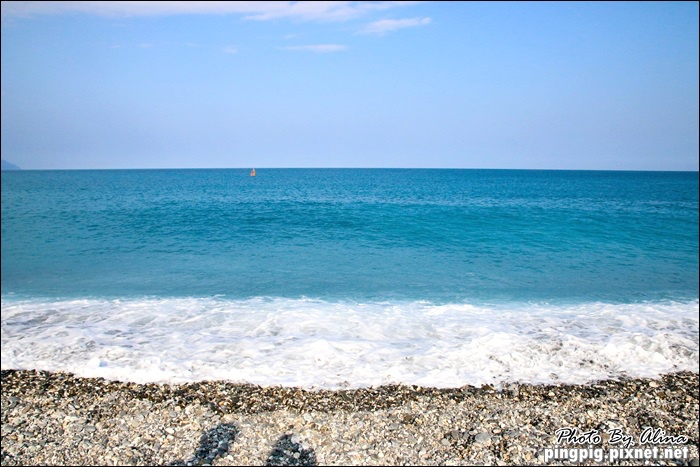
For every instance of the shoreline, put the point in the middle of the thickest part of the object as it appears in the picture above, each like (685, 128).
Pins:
(60, 419)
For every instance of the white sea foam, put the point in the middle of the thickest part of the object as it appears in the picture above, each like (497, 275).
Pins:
(319, 344)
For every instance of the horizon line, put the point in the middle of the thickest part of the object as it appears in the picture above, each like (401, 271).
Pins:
(353, 168)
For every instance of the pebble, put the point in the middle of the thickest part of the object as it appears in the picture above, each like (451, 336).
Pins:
(482, 438)
(59, 419)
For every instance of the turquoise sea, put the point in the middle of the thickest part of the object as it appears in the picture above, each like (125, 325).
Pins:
(350, 277)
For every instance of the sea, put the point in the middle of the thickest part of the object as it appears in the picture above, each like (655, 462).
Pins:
(350, 278)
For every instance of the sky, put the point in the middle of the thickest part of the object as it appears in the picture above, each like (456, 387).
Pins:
(520, 85)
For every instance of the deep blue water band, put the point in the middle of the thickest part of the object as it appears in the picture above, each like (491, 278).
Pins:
(358, 234)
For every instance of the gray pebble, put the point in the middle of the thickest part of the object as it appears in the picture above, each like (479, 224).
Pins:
(57, 419)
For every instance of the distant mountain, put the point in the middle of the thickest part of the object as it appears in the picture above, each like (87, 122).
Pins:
(9, 166)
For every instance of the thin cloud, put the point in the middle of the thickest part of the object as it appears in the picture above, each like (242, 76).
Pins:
(384, 26)
(319, 48)
(229, 49)
(323, 11)
(309, 10)
(129, 8)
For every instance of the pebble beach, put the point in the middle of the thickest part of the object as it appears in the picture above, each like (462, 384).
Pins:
(59, 419)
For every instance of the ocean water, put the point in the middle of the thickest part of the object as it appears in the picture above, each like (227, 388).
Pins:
(332, 278)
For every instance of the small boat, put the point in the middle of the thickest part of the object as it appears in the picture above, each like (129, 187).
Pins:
(252, 173)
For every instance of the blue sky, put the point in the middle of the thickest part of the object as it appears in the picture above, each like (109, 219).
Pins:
(554, 85)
